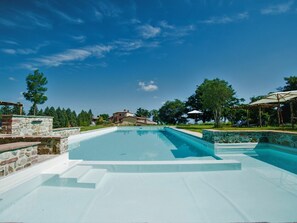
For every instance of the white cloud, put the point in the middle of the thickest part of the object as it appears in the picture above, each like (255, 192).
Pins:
(165, 25)
(69, 55)
(25, 51)
(148, 31)
(80, 39)
(227, 19)
(277, 9)
(66, 17)
(9, 51)
(10, 42)
(11, 79)
(151, 86)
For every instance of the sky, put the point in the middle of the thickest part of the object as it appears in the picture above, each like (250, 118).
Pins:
(125, 54)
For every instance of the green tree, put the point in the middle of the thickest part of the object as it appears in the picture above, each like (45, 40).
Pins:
(172, 112)
(84, 118)
(141, 112)
(216, 96)
(105, 117)
(194, 102)
(100, 120)
(155, 114)
(291, 84)
(52, 112)
(35, 89)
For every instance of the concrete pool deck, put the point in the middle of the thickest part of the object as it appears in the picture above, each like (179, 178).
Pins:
(258, 193)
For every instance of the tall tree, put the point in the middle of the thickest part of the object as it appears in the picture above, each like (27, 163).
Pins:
(141, 112)
(155, 114)
(291, 84)
(216, 96)
(172, 112)
(194, 102)
(36, 89)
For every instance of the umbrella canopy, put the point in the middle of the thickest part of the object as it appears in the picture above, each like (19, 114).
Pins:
(277, 97)
(195, 112)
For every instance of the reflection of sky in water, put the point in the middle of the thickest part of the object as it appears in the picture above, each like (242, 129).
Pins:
(136, 145)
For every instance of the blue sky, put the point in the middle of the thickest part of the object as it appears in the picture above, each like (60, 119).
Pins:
(112, 55)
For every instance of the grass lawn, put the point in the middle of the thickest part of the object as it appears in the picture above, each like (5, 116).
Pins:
(88, 128)
(200, 127)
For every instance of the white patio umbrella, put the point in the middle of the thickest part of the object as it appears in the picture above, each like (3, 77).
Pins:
(195, 113)
(278, 97)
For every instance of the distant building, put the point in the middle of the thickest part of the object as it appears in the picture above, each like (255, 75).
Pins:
(127, 118)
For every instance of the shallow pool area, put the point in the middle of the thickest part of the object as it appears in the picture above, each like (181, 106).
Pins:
(172, 188)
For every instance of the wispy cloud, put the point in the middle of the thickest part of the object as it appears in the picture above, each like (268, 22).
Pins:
(80, 39)
(24, 51)
(147, 31)
(277, 9)
(10, 42)
(69, 55)
(226, 19)
(9, 51)
(11, 79)
(150, 86)
(106, 8)
(25, 20)
(60, 13)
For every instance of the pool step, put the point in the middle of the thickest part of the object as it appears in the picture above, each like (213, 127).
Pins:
(78, 176)
(75, 172)
(93, 176)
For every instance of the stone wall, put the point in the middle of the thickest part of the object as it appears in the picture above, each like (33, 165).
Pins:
(16, 156)
(274, 137)
(66, 132)
(27, 125)
(48, 144)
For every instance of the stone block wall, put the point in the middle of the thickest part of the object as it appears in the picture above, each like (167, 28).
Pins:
(66, 132)
(27, 125)
(248, 136)
(48, 144)
(16, 156)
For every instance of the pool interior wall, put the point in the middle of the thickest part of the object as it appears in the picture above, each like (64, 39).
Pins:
(259, 192)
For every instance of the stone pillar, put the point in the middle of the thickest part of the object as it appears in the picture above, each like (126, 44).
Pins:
(27, 125)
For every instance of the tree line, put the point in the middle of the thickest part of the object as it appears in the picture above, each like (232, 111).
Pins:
(61, 117)
(217, 101)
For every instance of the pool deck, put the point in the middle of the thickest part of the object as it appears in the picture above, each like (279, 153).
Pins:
(259, 192)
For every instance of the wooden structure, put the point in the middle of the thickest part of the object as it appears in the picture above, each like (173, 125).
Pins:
(260, 108)
(13, 104)
(277, 99)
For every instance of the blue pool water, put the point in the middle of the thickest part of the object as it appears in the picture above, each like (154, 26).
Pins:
(281, 159)
(140, 144)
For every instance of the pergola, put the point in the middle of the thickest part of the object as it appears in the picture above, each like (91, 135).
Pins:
(275, 99)
(13, 104)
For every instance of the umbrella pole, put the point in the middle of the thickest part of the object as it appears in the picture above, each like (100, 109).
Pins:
(260, 116)
(247, 117)
(292, 114)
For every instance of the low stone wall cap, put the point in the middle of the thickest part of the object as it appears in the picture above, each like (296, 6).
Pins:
(16, 145)
(27, 116)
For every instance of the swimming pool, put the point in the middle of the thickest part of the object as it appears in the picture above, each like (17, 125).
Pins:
(283, 158)
(143, 144)
(81, 190)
